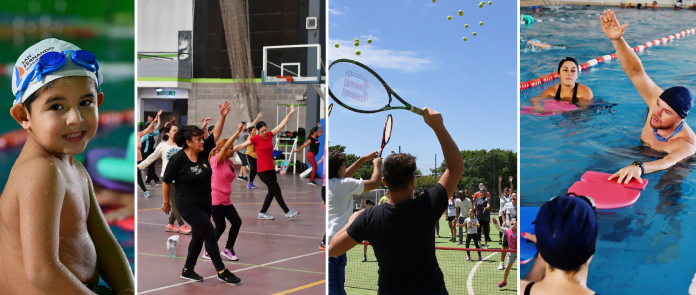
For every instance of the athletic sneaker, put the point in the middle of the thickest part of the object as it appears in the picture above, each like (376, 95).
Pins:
(460, 243)
(185, 230)
(205, 255)
(240, 177)
(228, 277)
(502, 284)
(501, 266)
(480, 259)
(468, 258)
(452, 240)
(485, 246)
(322, 246)
(171, 228)
(364, 259)
(189, 274)
(291, 214)
(147, 194)
(228, 253)
(265, 216)
(245, 178)
(158, 183)
(251, 186)
(314, 183)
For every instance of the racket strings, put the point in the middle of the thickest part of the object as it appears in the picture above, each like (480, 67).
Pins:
(356, 87)
(387, 129)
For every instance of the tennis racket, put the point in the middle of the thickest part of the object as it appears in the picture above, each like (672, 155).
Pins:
(358, 88)
(386, 134)
(330, 108)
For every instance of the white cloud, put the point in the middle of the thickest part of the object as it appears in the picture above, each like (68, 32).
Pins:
(375, 57)
(334, 11)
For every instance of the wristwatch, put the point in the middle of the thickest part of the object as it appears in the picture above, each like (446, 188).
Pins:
(639, 164)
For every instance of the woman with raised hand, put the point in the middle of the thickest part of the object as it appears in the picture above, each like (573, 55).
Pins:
(263, 144)
(313, 143)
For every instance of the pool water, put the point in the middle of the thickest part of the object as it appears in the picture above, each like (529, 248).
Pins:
(646, 248)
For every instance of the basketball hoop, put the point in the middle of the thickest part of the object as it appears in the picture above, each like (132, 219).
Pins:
(282, 83)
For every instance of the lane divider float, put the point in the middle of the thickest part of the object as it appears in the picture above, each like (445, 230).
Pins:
(584, 66)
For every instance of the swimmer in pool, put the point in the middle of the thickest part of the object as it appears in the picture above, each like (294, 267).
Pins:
(535, 43)
(568, 90)
(665, 127)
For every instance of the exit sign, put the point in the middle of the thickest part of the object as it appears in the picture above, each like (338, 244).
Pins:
(168, 93)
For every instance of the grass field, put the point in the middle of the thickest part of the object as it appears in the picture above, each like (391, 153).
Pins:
(484, 279)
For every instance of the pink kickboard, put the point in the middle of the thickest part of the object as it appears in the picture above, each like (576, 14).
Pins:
(599, 177)
(606, 196)
(554, 107)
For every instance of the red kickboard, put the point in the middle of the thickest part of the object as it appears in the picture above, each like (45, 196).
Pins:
(606, 196)
(598, 177)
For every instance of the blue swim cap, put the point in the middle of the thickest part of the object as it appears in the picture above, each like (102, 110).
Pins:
(534, 7)
(566, 230)
(679, 99)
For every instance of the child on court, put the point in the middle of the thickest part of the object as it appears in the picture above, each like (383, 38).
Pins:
(367, 204)
(342, 187)
(401, 231)
(53, 236)
(471, 223)
(511, 235)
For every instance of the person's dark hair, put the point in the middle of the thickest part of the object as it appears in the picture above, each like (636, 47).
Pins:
(336, 160)
(565, 59)
(311, 131)
(638, 6)
(186, 133)
(398, 170)
(260, 124)
(368, 202)
(250, 129)
(210, 128)
(166, 130)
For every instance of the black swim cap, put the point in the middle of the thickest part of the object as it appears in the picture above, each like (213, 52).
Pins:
(565, 59)
(679, 99)
(566, 230)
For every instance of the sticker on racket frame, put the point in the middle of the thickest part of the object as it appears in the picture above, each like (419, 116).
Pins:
(386, 134)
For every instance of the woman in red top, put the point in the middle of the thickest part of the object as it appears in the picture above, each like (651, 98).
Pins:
(265, 166)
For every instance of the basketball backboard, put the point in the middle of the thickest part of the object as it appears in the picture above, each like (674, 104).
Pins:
(302, 62)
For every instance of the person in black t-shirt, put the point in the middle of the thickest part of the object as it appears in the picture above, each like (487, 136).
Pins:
(313, 143)
(191, 172)
(401, 230)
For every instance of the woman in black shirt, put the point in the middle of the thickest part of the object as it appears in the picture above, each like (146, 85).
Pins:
(313, 143)
(191, 172)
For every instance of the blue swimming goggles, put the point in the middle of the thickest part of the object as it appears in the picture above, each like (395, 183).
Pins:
(53, 61)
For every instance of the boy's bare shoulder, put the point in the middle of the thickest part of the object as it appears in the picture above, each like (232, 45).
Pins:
(35, 174)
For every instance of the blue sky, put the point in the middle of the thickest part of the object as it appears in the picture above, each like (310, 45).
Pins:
(421, 55)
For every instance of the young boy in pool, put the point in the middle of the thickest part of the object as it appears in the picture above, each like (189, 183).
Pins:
(53, 236)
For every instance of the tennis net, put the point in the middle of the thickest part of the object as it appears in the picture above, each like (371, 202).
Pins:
(461, 276)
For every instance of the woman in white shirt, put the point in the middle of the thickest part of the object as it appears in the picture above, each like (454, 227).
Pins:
(165, 150)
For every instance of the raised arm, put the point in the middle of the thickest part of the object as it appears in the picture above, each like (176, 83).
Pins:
(158, 120)
(111, 261)
(497, 226)
(151, 158)
(204, 126)
(282, 124)
(321, 131)
(376, 179)
(356, 166)
(512, 185)
(258, 117)
(304, 145)
(241, 146)
(500, 179)
(146, 130)
(225, 109)
(40, 206)
(630, 62)
(229, 144)
(453, 158)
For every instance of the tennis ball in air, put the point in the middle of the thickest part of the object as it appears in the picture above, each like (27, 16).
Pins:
(481, 5)
(449, 17)
(480, 23)
(464, 39)
(357, 44)
(490, 2)
(336, 45)
(357, 52)
(466, 26)
(369, 41)
(461, 13)
(474, 33)
(433, 1)
(356, 40)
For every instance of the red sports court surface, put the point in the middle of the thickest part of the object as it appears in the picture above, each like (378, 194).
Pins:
(275, 256)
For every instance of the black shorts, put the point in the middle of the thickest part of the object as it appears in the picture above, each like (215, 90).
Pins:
(242, 157)
(451, 218)
(505, 243)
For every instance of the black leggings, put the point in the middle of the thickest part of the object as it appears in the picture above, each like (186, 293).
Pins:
(151, 174)
(141, 184)
(485, 227)
(222, 212)
(202, 230)
(252, 168)
(474, 237)
(271, 180)
(500, 234)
